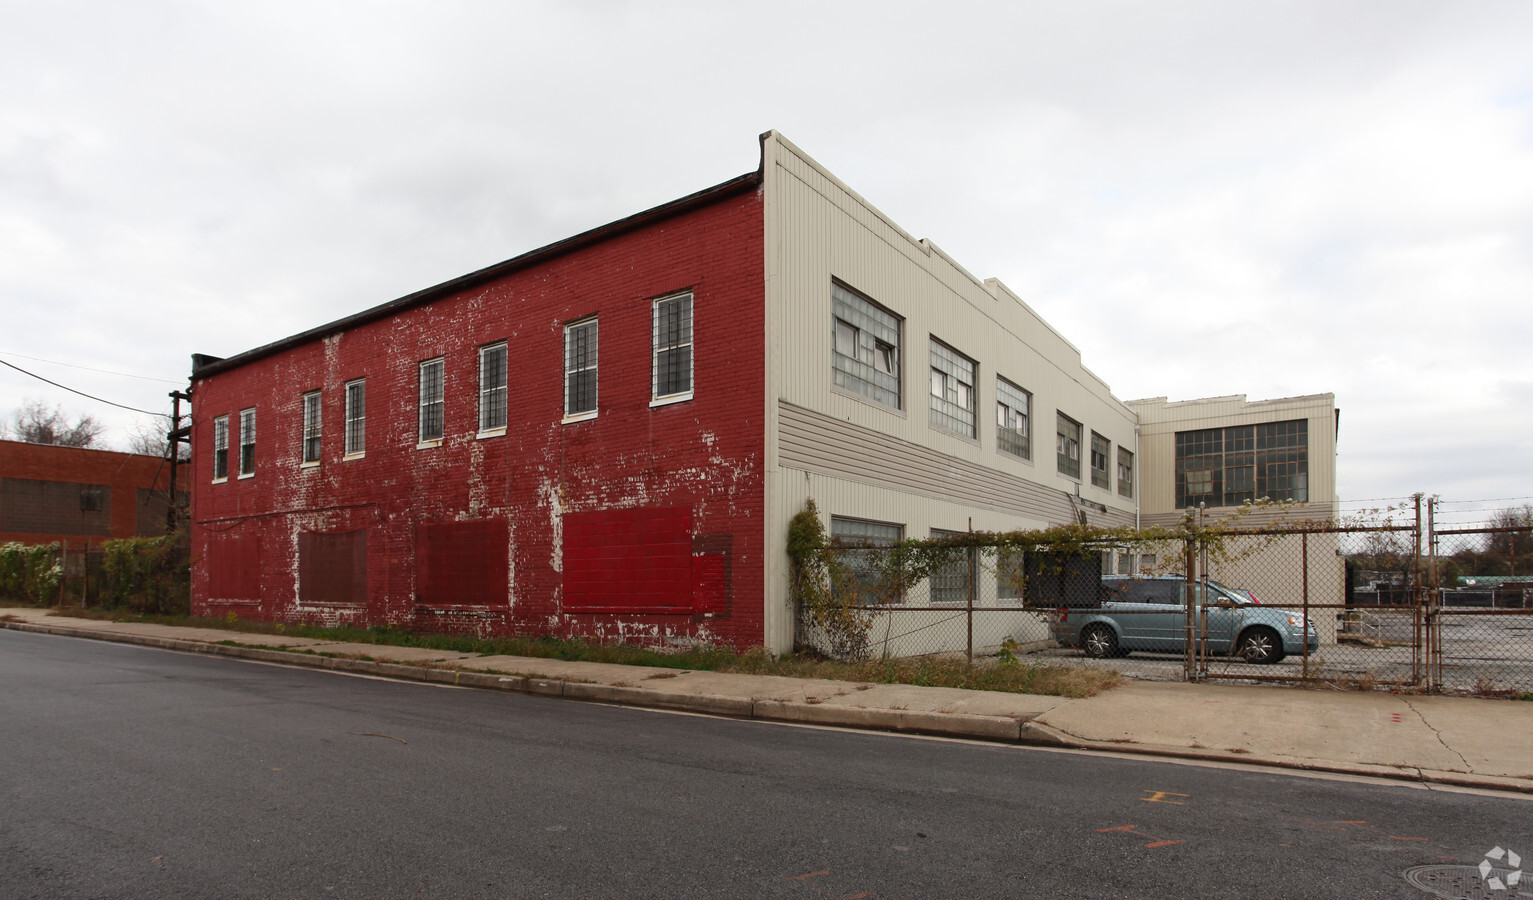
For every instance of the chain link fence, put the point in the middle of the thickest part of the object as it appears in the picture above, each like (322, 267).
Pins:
(1389, 602)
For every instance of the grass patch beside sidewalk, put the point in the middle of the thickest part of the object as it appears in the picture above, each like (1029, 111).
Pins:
(989, 674)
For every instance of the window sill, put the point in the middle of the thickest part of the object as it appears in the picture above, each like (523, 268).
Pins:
(314, 464)
(245, 475)
(1024, 460)
(578, 417)
(966, 438)
(669, 399)
(863, 398)
(221, 480)
(427, 445)
(351, 456)
(490, 433)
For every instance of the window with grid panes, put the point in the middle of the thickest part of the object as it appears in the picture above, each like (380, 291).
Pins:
(672, 348)
(1100, 448)
(311, 423)
(952, 390)
(220, 448)
(580, 369)
(1067, 445)
(433, 400)
(492, 387)
(247, 443)
(356, 417)
(1243, 463)
(1013, 406)
(862, 564)
(950, 581)
(865, 347)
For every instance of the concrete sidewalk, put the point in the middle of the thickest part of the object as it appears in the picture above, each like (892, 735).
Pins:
(1443, 740)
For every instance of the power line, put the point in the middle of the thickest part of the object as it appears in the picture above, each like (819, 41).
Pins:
(81, 393)
(54, 362)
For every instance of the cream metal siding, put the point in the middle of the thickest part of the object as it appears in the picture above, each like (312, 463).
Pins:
(890, 464)
(1159, 421)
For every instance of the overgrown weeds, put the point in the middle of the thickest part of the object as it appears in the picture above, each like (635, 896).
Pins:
(983, 675)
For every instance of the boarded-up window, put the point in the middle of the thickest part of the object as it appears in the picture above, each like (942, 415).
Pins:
(332, 567)
(629, 560)
(54, 507)
(234, 566)
(462, 563)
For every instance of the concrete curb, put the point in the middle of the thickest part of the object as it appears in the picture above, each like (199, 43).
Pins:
(998, 729)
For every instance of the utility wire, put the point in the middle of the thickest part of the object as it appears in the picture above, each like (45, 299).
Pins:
(82, 393)
(54, 362)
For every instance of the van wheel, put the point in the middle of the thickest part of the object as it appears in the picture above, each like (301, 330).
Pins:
(1099, 642)
(1260, 645)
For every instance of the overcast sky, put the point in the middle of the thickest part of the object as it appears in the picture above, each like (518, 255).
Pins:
(1206, 198)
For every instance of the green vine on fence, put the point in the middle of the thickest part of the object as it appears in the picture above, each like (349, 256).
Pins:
(841, 586)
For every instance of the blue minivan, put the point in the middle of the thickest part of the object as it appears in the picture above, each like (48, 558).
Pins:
(1149, 613)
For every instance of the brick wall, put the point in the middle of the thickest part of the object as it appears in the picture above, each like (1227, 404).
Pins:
(702, 455)
(47, 494)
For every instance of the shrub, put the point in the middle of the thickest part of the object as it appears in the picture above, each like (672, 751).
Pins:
(147, 575)
(30, 573)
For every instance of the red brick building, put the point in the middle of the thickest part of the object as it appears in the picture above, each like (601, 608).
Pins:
(608, 436)
(424, 463)
(79, 497)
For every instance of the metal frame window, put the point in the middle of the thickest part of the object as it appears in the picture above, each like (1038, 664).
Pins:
(951, 581)
(1013, 409)
(220, 448)
(865, 347)
(1101, 451)
(311, 428)
(492, 387)
(1243, 463)
(1125, 473)
(580, 370)
(671, 343)
(952, 390)
(1067, 445)
(433, 400)
(862, 569)
(356, 417)
(247, 442)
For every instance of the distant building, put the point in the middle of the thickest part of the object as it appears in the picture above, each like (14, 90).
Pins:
(607, 436)
(79, 497)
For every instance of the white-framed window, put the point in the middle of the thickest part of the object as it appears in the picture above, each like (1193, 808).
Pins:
(1125, 473)
(1013, 411)
(952, 390)
(221, 448)
(492, 387)
(671, 344)
(356, 417)
(1067, 445)
(580, 370)
(1101, 447)
(247, 443)
(311, 428)
(433, 400)
(865, 347)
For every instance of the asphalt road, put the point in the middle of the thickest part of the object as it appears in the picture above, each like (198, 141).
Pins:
(129, 772)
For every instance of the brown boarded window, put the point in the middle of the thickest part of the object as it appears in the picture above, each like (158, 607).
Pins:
(629, 561)
(234, 566)
(332, 567)
(463, 563)
(55, 507)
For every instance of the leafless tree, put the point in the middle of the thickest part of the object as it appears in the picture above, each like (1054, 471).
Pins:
(149, 437)
(36, 423)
